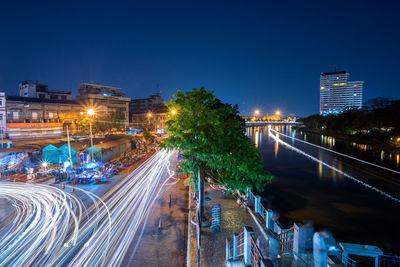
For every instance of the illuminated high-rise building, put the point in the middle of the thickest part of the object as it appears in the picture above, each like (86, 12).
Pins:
(338, 93)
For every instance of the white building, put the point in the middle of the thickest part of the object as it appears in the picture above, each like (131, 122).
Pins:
(338, 93)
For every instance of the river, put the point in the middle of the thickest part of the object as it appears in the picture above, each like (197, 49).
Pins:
(360, 211)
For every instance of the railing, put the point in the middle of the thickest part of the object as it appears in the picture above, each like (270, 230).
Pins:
(256, 256)
(286, 239)
(237, 250)
(250, 196)
(389, 261)
(263, 212)
(240, 244)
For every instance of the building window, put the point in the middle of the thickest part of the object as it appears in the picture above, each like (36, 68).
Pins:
(1, 117)
(41, 96)
(63, 97)
(1, 102)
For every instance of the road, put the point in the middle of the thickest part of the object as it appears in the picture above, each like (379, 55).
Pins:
(49, 226)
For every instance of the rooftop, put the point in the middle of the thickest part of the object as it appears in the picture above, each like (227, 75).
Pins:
(333, 73)
(100, 86)
(39, 100)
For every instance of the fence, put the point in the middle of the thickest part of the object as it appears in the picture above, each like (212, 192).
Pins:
(286, 238)
(244, 247)
(235, 247)
(256, 256)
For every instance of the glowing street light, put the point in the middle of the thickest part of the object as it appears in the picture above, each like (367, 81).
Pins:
(173, 112)
(277, 112)
(90, 112)
(149, 114)
(256, 112)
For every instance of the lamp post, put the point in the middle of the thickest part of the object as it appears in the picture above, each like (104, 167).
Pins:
(91, 113)
(149, 116)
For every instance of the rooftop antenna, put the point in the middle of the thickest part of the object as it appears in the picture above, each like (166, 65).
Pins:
(158, 92)
(334, 66)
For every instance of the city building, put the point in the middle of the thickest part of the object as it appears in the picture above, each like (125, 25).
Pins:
(148, 113)
(338, 93)
(34, 89)
(144, 105)
(104, 99)
(38, 117)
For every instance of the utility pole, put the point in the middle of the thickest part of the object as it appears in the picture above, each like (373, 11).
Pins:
(69, 149)
(91, 138)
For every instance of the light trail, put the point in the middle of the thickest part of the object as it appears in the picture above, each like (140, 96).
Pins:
(338, 153)
(45, 219)
(331, 167)
(55, 228)
(130, 205)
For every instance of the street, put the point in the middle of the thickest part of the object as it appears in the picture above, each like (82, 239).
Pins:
(48, 225)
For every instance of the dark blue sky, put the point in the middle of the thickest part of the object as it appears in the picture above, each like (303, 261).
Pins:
(258, 54)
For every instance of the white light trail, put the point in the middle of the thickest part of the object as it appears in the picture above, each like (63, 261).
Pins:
(338, 153)
(331, 167)
(45, 219)
(51, 227)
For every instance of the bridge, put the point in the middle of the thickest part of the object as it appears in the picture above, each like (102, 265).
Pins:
(264, 123)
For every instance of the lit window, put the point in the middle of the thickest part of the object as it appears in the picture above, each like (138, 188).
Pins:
(322, 87)
(354, 94)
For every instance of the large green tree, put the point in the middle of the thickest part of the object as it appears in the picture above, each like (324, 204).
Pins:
(211, 135)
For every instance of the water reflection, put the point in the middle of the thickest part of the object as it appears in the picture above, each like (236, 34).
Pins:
(320, 167)
(256, 137)
(276, 147)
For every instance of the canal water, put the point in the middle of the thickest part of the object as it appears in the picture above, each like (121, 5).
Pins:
(307, 190)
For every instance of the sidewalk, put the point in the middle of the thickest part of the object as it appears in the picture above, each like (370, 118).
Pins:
(233, 219)
(165, 246)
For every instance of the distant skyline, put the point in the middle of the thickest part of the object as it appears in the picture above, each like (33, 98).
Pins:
(264, 55)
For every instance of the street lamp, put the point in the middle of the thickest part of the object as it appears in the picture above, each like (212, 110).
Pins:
(91, 113)
(277, 113)
(173, 112)
(256, 112)
(149, 116)
(44, 165)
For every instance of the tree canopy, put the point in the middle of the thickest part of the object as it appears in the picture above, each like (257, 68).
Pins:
(211, 135)
(377, 122)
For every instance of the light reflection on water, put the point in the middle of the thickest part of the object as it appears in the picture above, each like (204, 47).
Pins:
(327, 141)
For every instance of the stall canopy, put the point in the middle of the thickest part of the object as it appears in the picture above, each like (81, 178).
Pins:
(96, 153)
(64, 152)
(51, 154)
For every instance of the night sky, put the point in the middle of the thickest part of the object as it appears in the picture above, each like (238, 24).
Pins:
(258, 54)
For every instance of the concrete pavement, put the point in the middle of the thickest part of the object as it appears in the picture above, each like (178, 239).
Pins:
(213, 244)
